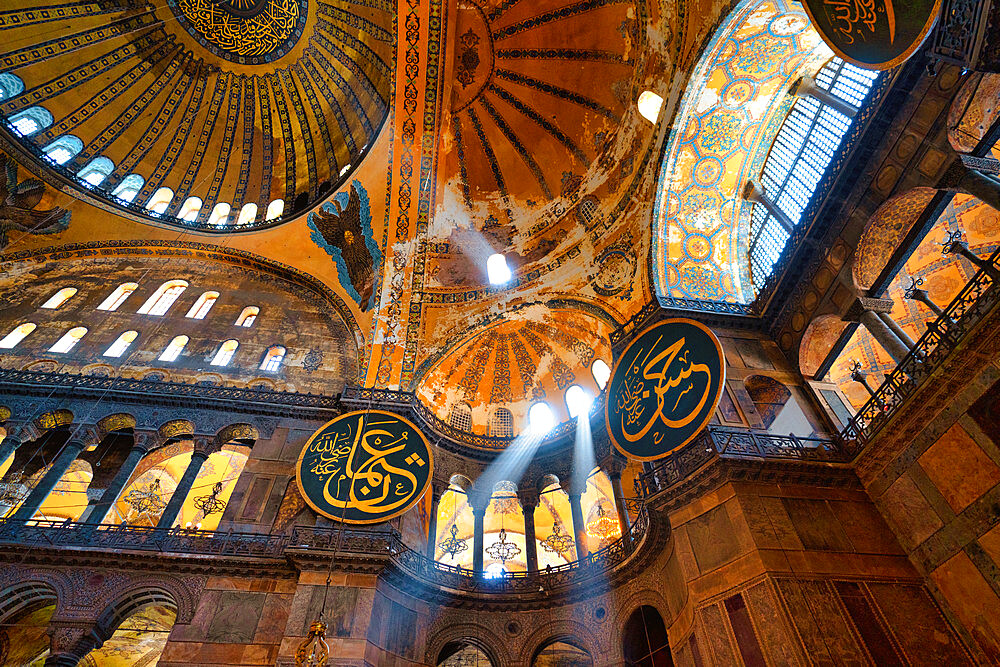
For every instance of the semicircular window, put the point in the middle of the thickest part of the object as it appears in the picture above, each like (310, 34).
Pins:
(805, 146)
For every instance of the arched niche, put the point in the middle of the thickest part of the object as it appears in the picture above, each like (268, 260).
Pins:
(644, 639)
(562, 652)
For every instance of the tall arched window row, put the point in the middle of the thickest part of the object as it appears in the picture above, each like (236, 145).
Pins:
(163, 298)
(118, 297)
(220, 215)
(248, 316)
(69, 340)
(10, 86)
(274, 209)
(174, 349)
(801, 153)
(578, 401)
(121, 344)
(59, 298)
(204, 304)
(247, 215)
(601, 372)
(95, 171)
(129, 187)
(30, 121)
(16, 335)
(190, 209)
(225, 353)
(160, 200)
(63, 149)
(273, 358)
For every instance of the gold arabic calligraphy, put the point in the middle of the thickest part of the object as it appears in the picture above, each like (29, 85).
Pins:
(855, 19)
(253, 36)
(356, 466)
(650, 374)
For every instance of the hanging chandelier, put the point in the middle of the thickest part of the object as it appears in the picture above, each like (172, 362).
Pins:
(210, 504)
(146, 499)
(603, 527)
(314, 650)
(453, 545)
(14, 490)
(557, 542)
(503, 549)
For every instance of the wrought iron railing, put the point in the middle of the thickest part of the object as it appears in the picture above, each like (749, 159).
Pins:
(715, 442)
(979, 297)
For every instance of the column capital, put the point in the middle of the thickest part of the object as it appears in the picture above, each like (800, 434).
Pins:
(73, 637)
(615, 465)
(204, 444)
(528, 499)
(146, 440)
(85, 434)
(479, 501)
(23, 431)
(805, 85)
(753, 192)
(438, 489)
(865, 303)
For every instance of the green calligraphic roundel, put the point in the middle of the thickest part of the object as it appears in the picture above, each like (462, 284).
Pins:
(664, 388)
(365, 467)
(877, 34)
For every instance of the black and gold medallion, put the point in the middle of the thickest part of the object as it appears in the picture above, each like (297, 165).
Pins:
(365, 467)
(664, 388)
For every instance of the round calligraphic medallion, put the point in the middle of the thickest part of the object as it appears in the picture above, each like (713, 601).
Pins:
(876, 34)
(365, 467)
(248, 32)
(664, 388)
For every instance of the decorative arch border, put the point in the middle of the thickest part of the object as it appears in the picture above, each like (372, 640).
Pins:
(479, 636)
(562, 630)
(308, 286)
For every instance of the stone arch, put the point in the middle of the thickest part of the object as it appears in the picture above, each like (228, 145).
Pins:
(176, 428)
(817, 341)
(974, 111)
(118, 421)
(5, 413)
(54, 419)
(461, 481)
(25, 597)
(570, 632)
(481, 637)
(245, 433)
(886, 229)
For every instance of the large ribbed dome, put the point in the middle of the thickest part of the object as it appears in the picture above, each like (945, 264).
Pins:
(217, 115)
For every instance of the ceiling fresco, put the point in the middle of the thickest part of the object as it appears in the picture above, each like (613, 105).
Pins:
(727, 121)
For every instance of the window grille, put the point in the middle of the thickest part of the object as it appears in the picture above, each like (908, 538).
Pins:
(502, 423)
(461, 417)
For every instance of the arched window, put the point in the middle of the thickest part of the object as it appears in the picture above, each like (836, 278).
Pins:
(163, 298)
(649, 104)
(578, 401)
(95, 171)
(601, 372)
(204, 304)
(118, 297)
(129, 187)
(160, 200)
(275, 209)
(540, 418)
(463, 653)
(59, 298)
(16, 335)
(248, 316)
(69, 340)
(63, 149)
(461, 417)
(273, 358)
(10, 86)
(220, 215)
(225, 353)
(502, 423)
(30, 121)
(247, 214)
(121, 344)
(644, 639)
(564, 654)
(497, 270)
(190, 209)
(174, 349)
(802, 150)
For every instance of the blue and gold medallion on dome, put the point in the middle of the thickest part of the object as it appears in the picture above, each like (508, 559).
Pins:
(365, 467)
(664, 388)
(244, 31)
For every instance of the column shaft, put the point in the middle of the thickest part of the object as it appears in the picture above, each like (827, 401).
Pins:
(48, 482)
(530, 545)
(624, 520)
(579, 529)
(173, 507)
(884, 335)
(432, 526)
(110, 495)
(7, 446)
(478, 541)
(898, 330)
(807, 87)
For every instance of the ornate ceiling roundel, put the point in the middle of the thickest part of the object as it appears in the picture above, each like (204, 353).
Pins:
(244, 30)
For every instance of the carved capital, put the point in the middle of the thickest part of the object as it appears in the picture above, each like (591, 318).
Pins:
(204, 444)
(147, 440)
(864, 303)
(753, 192)
(956, 176)
(85, 434)
(73, 638)
(23, 431)
(478, 501)
(528, 498)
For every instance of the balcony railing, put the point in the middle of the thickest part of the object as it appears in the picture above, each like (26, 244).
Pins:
(979, 297)
(716, 442)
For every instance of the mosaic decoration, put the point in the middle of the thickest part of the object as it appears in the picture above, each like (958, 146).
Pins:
(453, 545)
(244, 31)
(729, 120)
(664, 388)
(557, 542)
(365, 467)
(616, 269)
(877, 34)
(503, 549)
(344, 230)
(19, 200)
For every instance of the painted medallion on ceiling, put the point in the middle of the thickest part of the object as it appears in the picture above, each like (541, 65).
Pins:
(728, 119)
(244, 31)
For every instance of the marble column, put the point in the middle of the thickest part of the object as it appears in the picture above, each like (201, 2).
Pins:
(529, 501)
(975, 176)
(624, 520)
(16, 435)
(866, 311)
(437, 490)
(753, 192)
(479, 502)
(173, 508)
(807, 87)
(80, 439)
(143, 443)
(579, 528)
